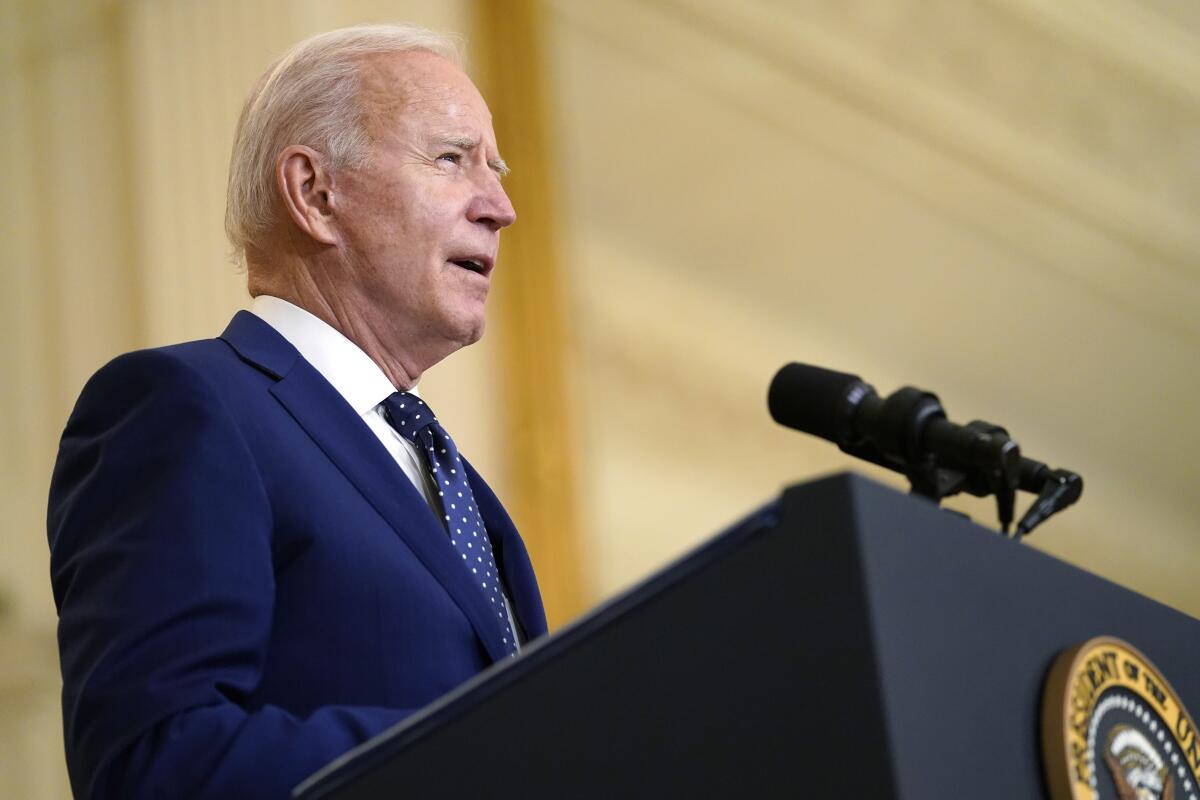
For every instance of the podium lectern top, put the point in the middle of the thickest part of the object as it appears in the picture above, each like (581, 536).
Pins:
(847, 641)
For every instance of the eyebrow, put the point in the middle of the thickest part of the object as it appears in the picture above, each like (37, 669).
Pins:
(464, 143)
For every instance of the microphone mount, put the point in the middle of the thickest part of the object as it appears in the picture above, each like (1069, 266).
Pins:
(908, 432)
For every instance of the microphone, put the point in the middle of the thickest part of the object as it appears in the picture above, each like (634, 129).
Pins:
(817, 401)
(908, 432)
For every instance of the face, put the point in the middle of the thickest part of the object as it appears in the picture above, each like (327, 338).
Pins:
(420, 223)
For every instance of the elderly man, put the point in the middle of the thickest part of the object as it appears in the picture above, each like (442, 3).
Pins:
(265, 549)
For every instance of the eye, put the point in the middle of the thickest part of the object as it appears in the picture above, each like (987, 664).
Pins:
(451, 158)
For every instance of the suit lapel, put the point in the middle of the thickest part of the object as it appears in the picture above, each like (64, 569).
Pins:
(511, 557)
(339, 432)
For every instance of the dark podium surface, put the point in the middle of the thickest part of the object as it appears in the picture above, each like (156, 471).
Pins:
(847, 641)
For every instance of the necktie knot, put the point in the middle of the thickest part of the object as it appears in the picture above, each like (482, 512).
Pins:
(409, 414)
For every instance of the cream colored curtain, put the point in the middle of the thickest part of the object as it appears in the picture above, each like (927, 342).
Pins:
(993, 200)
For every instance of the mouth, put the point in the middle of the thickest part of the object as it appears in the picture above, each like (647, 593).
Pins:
(480, 265)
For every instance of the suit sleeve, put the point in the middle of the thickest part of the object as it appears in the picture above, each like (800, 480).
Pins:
(161, 564)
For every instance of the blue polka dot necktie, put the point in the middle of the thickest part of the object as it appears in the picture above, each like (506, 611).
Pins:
(415, 421)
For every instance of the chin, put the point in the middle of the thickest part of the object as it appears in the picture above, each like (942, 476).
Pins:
(468, 331)
(475, 334)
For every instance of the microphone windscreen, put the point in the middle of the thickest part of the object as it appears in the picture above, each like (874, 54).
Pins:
(810, 399)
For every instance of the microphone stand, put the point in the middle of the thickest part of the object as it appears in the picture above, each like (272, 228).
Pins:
(941, 459)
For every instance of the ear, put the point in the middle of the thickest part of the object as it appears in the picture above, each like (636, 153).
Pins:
(306, 188)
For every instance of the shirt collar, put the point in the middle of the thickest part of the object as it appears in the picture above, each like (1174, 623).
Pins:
(348, 369)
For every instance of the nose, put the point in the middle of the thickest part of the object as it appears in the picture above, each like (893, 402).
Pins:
(491, 206)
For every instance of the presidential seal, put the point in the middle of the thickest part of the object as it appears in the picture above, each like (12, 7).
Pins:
(1113, 729)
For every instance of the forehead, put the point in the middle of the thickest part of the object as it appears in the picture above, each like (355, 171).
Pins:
(418, 87)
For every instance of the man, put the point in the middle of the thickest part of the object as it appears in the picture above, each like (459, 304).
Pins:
(257, 564)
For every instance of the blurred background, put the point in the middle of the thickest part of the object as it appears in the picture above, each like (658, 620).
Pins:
(993, 199)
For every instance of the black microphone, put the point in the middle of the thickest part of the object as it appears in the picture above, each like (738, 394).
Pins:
(904, 432)
(908, 432)
(818, 401)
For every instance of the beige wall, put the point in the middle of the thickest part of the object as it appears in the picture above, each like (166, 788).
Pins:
(994, 200)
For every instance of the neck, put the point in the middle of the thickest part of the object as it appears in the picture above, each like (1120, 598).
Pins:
(308, 286)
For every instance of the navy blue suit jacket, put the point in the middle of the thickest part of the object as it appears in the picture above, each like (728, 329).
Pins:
(247, 583)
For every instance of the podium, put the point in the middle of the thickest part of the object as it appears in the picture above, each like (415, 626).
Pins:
(844, 641)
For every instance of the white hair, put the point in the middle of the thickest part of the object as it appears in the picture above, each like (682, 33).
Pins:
(309, 96)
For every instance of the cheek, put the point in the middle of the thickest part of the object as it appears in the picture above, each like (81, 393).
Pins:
(400, 228)
(375, 210)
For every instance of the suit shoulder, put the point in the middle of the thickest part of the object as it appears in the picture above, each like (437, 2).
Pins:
(196, 359)
(143, 409)
(191, 381)
(198, 369)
